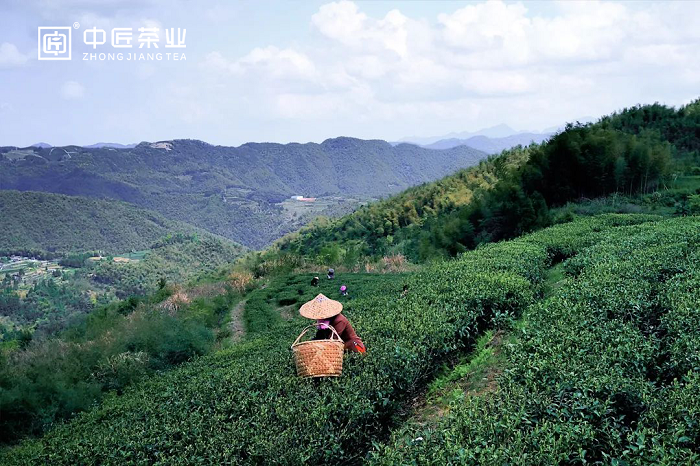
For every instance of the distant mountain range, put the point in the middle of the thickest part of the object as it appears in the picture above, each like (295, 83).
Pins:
(492, 140)
(498, 131)
(112, 145)
(235, 192)
(99, 145)
(491, 145)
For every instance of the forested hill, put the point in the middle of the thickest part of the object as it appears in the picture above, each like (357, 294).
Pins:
(231, 191)
(639, 150)
(35, 222)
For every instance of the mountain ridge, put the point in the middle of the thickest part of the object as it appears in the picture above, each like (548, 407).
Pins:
(235, 192)
(492, 145)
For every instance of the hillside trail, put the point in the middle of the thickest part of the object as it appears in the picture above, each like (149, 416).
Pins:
(237, 326)
(476, 374)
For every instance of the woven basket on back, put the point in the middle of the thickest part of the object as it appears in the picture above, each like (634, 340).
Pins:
(319, 358)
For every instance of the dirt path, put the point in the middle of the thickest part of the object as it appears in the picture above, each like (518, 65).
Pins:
(237, 326)
(477, 376)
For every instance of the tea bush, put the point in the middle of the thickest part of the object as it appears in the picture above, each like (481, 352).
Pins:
(246, 405)
(605, 372)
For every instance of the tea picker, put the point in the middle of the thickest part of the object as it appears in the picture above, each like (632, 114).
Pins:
(323, 356)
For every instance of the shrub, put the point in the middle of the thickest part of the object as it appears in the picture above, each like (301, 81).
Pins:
(115, 346)
(605, 372)
(253, 407)
(582, 384)
(240, 281)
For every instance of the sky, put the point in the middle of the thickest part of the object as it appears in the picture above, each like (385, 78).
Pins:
(293, 71)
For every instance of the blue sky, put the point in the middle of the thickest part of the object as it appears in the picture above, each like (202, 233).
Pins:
(307, 71)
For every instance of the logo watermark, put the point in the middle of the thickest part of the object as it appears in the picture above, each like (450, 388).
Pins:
(55, 43)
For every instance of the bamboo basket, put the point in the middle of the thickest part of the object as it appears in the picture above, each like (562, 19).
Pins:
(319, 358)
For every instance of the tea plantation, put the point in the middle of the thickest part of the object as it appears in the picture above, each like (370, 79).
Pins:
(604, 371)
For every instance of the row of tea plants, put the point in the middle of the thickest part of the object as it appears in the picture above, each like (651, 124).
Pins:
(246, 405)
(604, 372)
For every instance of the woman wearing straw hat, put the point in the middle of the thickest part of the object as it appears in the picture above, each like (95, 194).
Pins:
(327, 313)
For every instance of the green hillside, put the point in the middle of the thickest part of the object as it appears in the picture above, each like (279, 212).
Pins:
(50, 296)
(602, 369)
(596, 315)
(36, 221)
(634, 153)
(231, 191)
(138, 249)
(175, 258)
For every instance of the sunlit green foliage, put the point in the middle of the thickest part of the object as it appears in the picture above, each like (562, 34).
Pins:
(634, 153)
(176, 258)
(246, 405)
(48, 380)
(604, 372)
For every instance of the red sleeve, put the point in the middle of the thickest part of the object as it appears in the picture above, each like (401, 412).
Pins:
(339, 324)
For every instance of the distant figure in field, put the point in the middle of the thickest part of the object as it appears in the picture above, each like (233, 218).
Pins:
(331, 274)
(405, 291)
(314, 281)
(343, 290)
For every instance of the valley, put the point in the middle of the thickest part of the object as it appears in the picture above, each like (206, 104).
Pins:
(384, 233)
(233, 192)
(470, 292)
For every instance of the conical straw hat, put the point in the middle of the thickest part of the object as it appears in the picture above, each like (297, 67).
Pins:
(321, 307)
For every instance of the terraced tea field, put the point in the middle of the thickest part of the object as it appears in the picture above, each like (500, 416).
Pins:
(604, 369)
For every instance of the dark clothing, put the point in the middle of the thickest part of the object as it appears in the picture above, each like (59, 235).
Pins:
(344, 328)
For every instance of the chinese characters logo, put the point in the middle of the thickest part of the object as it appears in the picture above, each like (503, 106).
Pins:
(55, 43)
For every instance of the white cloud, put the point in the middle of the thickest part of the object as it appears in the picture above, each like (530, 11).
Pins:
(269, 63)
(72, 90)
(343, 22)
(10, 57)
(302, 72)
(276, 63)
(362, 65)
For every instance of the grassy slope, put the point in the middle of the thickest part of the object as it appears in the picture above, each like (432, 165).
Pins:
(603, 370)
(232, 191)
(281, 445)
(53, 222)
(245, 404)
